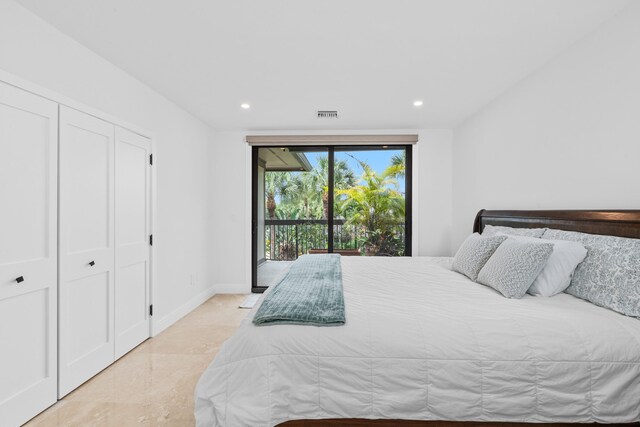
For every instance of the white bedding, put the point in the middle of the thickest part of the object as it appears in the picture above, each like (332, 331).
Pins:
(424, 342)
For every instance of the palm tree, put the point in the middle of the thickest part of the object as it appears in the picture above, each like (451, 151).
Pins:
(309, 197)
(400, 160)
(276, 184)
(343, 178)
(376, 205)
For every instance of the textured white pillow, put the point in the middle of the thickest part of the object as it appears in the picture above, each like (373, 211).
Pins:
(555, 277)
(474, 253)
(514, 266)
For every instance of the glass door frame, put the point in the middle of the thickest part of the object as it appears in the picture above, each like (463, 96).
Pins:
(330, 149)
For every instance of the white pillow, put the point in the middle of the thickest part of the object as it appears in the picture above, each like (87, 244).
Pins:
(555, 276)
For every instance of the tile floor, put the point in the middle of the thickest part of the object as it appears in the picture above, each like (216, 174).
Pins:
(154, 383)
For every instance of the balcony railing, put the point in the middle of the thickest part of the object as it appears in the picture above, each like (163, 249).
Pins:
(287, 239)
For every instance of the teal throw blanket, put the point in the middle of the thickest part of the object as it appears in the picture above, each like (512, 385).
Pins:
(309, 294)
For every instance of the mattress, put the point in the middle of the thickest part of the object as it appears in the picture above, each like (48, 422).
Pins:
(422, 342)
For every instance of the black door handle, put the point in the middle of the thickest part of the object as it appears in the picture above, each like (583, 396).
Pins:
(92, 263)
(20, 279)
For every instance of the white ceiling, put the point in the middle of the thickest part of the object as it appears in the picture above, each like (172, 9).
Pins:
(369, 59)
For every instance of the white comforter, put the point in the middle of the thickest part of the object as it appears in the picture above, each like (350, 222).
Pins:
(423, 342)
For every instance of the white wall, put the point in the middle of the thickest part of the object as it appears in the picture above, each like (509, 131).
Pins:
(35, 51)
(432, 195)
(230, 212)
(567, 137)
(230, 206)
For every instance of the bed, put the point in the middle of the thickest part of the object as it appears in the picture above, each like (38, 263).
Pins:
(425, 345)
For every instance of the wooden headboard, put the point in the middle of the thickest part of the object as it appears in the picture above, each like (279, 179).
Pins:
(622, 223)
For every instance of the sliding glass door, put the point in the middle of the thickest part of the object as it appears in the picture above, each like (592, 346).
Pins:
(355, 201)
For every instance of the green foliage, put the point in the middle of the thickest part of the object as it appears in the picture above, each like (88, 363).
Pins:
(400, 160)
(277, 184)
(377, 205)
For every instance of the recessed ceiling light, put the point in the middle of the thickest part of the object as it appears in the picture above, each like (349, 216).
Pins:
(417, 103)
(245, 106)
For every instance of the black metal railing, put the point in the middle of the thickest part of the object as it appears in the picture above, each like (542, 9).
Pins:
(287, 239)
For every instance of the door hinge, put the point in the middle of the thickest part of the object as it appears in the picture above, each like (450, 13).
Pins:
(151, 310)
(150, 239)
(151, 159)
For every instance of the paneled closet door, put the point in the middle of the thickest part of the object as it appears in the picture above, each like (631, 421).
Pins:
(86, 248)
(133, 197)
(28, 288)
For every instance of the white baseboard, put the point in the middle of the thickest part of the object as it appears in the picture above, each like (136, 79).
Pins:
(232, 288)
(177, 314)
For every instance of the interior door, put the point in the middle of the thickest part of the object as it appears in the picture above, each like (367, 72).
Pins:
(86, 248)
(133, 176)
(28, 316)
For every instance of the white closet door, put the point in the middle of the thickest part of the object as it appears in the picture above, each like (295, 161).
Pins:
(86, 239)
(28, 217)
(133, 178)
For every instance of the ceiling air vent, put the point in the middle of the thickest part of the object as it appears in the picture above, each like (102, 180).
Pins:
(325, 114)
